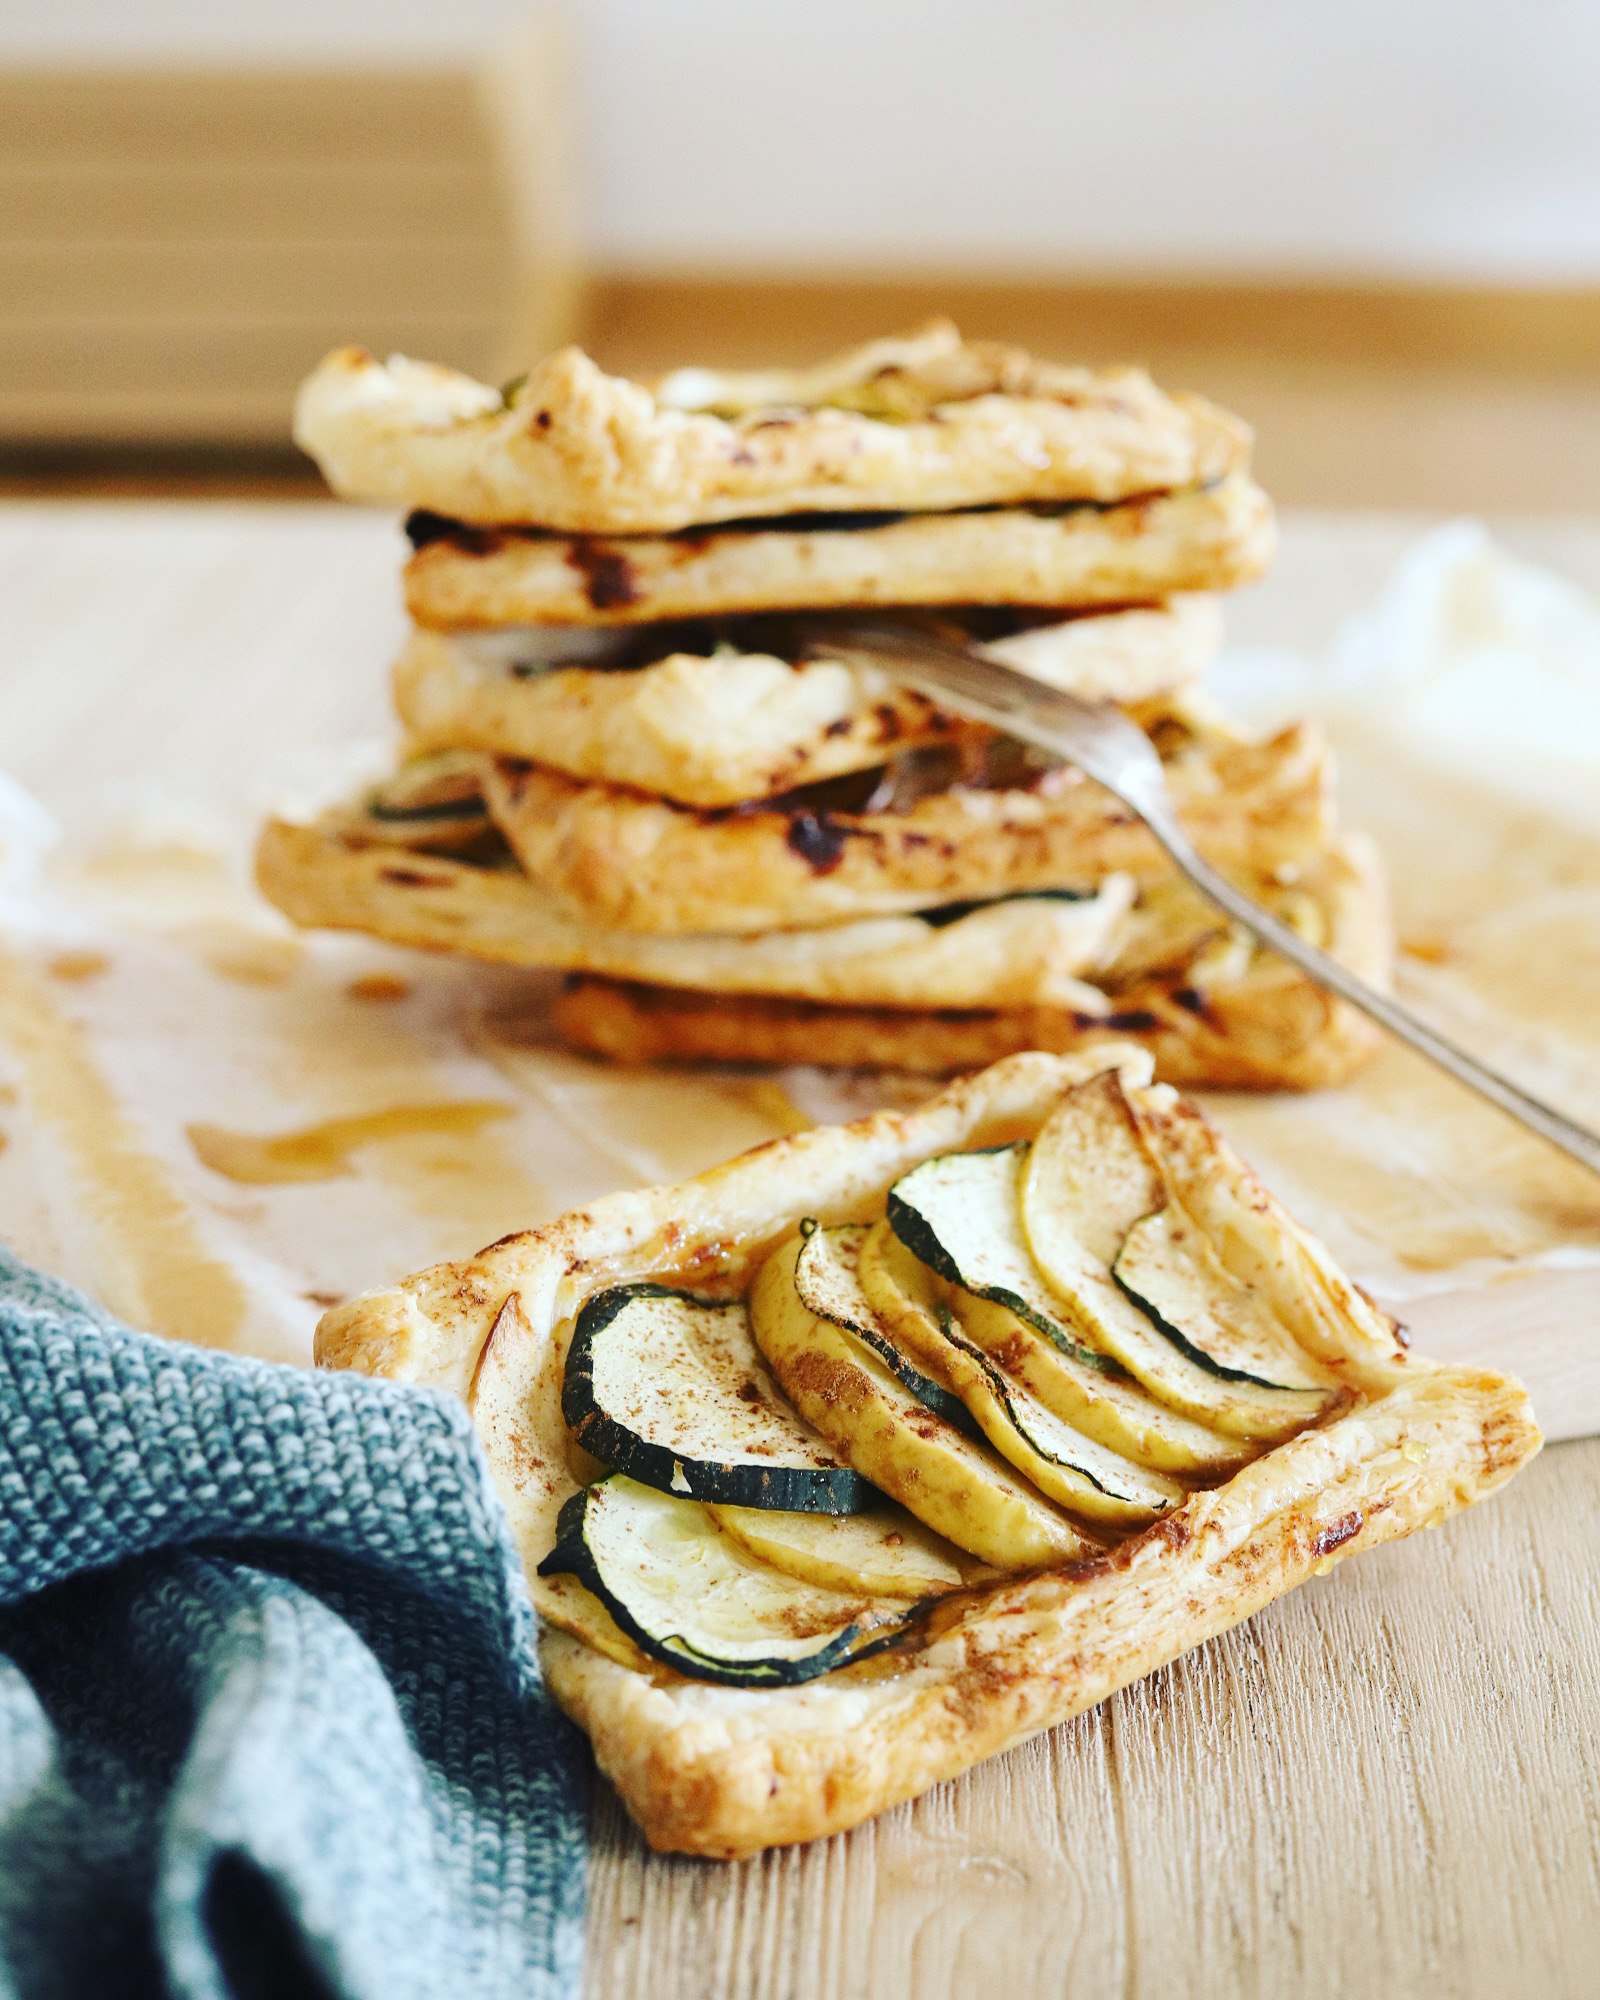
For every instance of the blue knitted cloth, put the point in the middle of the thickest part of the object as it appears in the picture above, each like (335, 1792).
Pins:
(270, 1714)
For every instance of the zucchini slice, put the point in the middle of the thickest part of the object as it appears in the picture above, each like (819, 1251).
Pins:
(1088, 1179)
(1167, 1266)
(687, 1594)
(434, 801)
(1055, 1455)
(670, 1389)
(959, 1213)
(961, 1489)
(1057, 1458)
(827, 1278)
(885, 1552)
(915, 1305)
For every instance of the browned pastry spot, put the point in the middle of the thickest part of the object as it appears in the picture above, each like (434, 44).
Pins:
(1273, 1031)
(937, 825)
(929, 422)
(1199, 539)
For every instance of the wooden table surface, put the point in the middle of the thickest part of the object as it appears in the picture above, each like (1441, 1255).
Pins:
(1388, 1782)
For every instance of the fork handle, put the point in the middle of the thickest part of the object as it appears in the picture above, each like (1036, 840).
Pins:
(1574, 1140)
(1054, 720)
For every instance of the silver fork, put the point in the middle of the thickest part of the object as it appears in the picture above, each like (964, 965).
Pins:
(1104, 744)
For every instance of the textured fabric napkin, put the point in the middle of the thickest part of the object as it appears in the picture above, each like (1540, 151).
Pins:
(271, 1719)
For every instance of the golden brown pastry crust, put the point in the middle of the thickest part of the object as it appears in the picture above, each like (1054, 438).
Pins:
(1277, 1034)
(724, 1772)
(1255, 1024)
(927, 423)
(702, 1778)
(1028, 950)
(715, 729)
(1198, 539)
(1269, 1029)
(698, 730)
(637, 863)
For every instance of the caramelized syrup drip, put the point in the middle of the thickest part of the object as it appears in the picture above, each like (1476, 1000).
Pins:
(324, 1152)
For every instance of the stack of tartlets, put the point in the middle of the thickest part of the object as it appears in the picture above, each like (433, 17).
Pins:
(632, 755)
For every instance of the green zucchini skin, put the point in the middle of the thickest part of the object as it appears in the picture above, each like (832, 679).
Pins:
(440, 810)
(791, 1489)
(917, 1234)
(943, 1402)
(1005, 1394)
(573, 1557)
(1186, 1346)
(1149, 1285)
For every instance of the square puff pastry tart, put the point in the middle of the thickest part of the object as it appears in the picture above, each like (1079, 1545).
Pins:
(723, 715)
(1197, 538)
(1212, 1011)
(889, 991)
(1358, 1444)
(926, 423)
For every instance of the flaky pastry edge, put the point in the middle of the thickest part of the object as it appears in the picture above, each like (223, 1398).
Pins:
(726, 1772)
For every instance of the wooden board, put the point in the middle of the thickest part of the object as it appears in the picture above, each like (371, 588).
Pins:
(1387, 1783)
(179, 247)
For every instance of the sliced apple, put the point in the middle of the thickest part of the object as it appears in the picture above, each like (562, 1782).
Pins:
(885, 1552)
(908, 1298)
(1058, 1458)
(959, 1213)
(916, 1306)
(827, 1278)
(1167, 1266)
(921, 1311)
(1088, 1179)
(960, 1489)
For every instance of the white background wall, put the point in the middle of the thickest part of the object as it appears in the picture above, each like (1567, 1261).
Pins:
(1444, 137)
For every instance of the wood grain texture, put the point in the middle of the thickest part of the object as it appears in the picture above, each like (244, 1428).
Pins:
(648, 319)
(179, 247)
(1386, 1783)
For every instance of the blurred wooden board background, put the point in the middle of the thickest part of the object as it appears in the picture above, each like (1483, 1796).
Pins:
(179, 246)
(1418, 396)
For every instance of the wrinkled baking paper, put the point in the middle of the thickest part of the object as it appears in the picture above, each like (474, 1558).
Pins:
(175, 1060)
(1465, 706)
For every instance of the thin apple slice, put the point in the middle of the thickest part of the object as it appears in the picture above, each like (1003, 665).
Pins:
(827, 1276)
(1088, 1179)
(885, 1552)
(1059, 1459)
(961, 1489)
(917, 1307)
